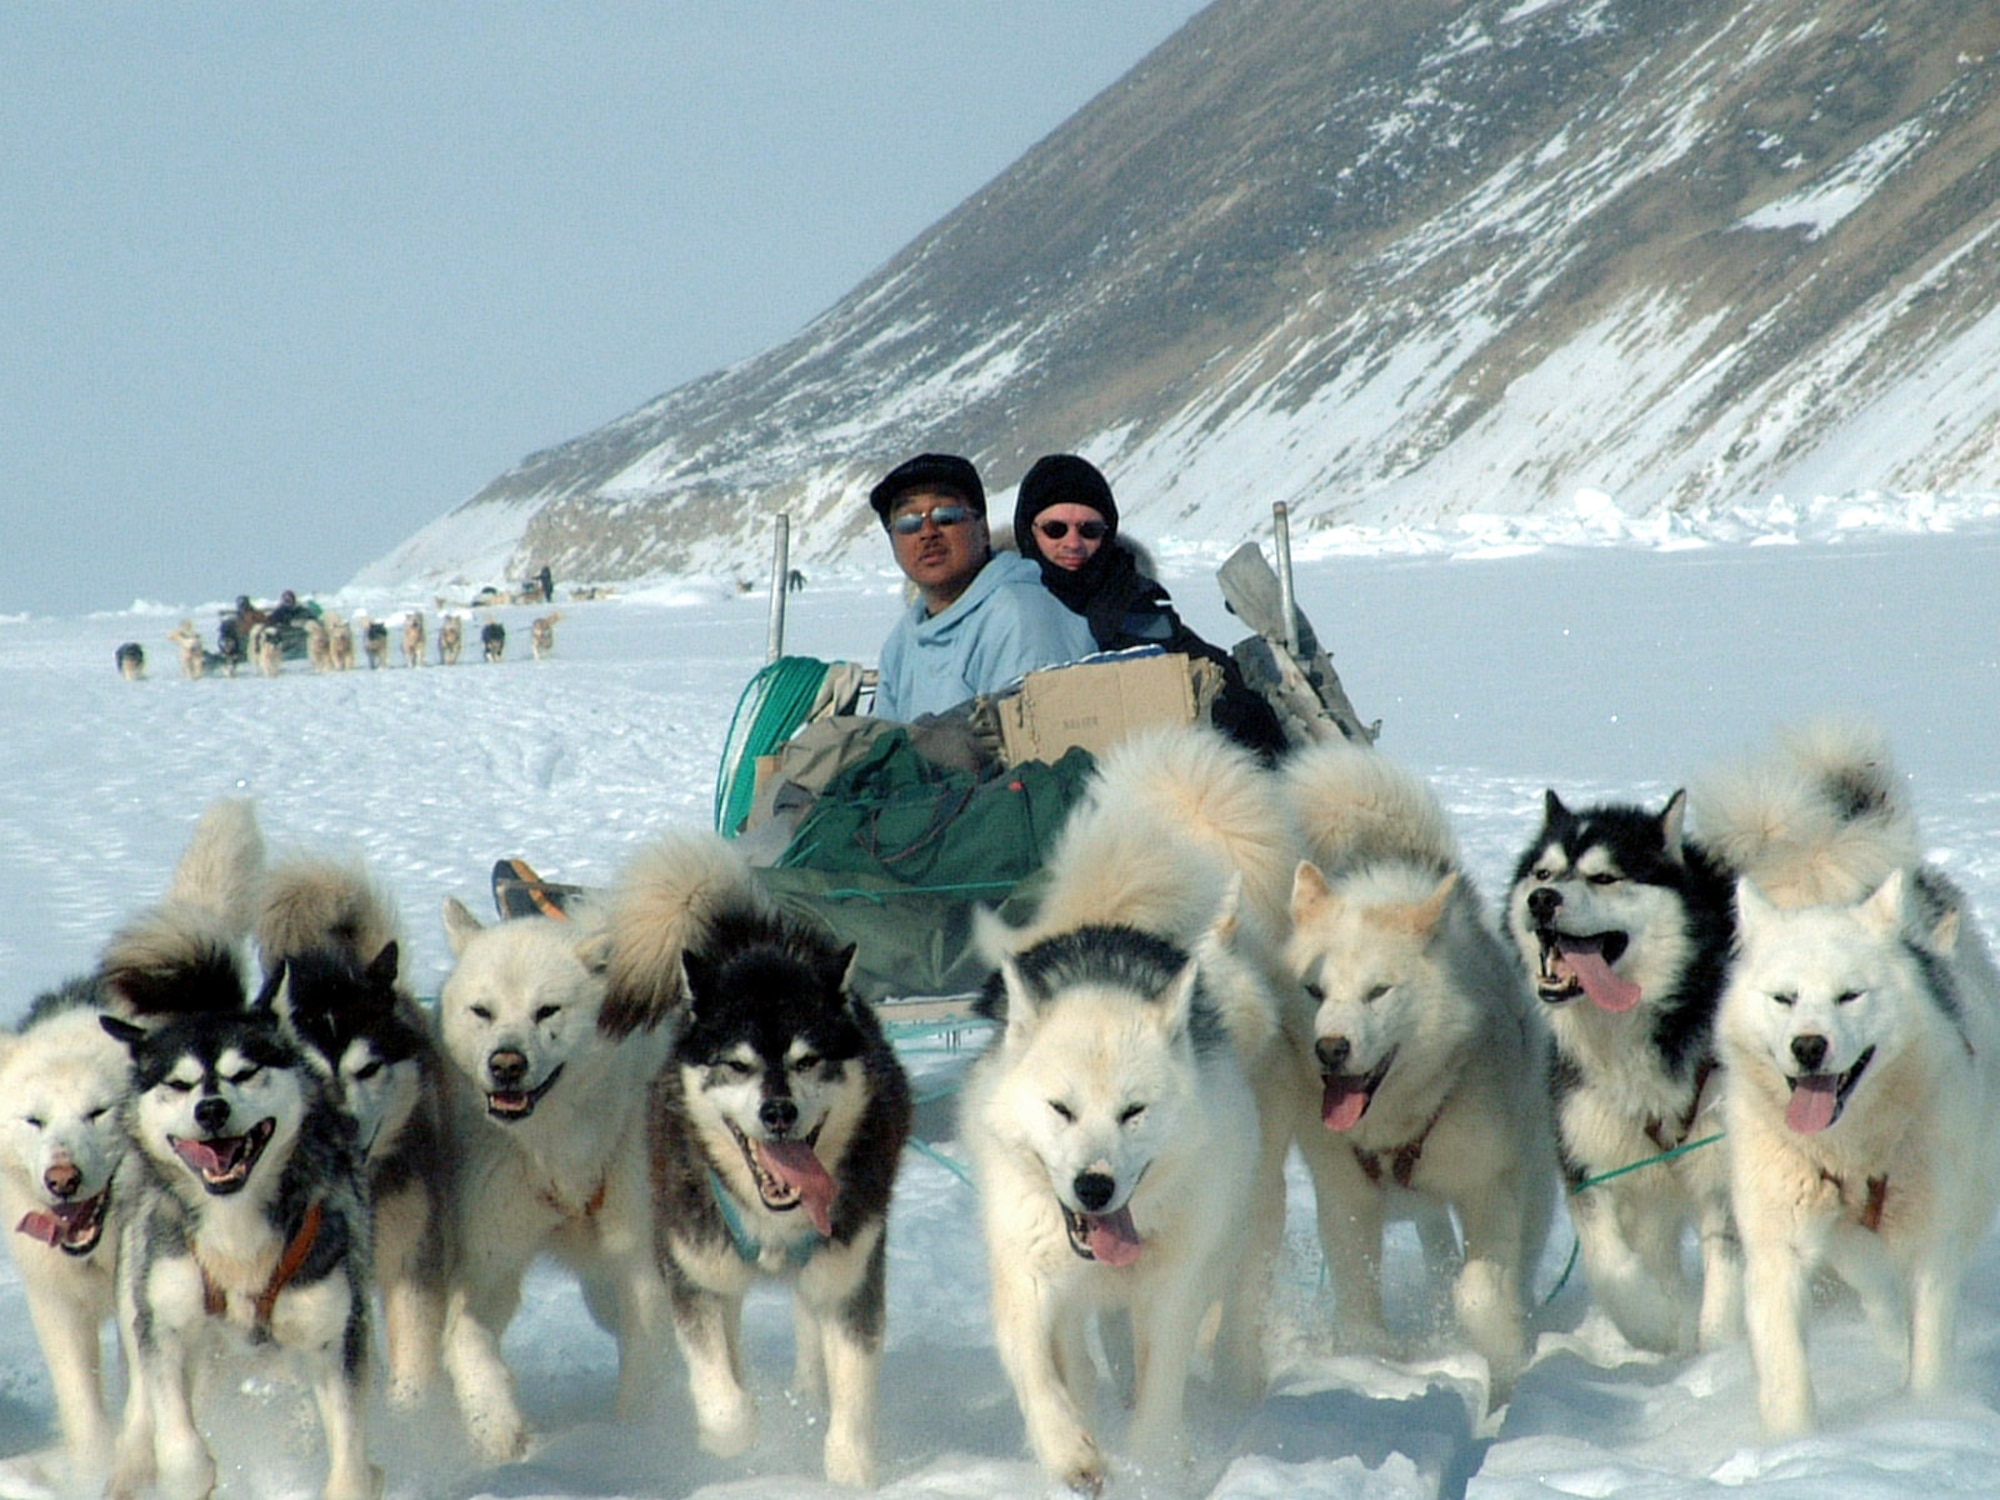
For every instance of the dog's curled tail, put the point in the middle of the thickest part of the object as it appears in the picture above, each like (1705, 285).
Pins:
(315, 904)
(181, 956)
(1823, 820)
(662, 905)
(1214, 791)
(222, 868)
(1355, 806)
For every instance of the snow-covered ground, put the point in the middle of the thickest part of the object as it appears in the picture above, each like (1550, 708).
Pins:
(1619, 669)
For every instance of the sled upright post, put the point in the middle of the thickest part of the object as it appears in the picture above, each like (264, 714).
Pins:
(1288, 599)
(781, 572)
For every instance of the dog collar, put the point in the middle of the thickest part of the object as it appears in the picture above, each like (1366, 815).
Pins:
(215, 1299)
(748, 1246)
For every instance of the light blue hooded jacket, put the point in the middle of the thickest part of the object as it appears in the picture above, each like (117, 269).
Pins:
(1004, 624)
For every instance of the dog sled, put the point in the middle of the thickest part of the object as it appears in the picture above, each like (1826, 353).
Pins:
(894, 835)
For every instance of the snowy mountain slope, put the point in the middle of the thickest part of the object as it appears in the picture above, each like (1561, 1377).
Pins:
(1394, 265)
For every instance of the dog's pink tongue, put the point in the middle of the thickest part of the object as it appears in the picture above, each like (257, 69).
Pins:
(794, 1164)
(1343, 1103)
(203, 1157)
(1814, 1101)
(1114, 1238)
(1607, 990)
(43, 1225)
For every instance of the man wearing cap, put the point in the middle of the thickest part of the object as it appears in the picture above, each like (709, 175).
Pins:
(981, 618)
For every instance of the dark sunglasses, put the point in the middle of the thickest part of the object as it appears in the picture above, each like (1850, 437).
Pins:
(1090, 531)
(910, 522)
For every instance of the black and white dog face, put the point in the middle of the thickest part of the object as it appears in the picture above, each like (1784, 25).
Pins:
(772, 1053)
(351, 1019)
(1601, 904)
(217, 1100)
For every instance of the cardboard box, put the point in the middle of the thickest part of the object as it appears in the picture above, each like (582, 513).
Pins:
(1094, 704)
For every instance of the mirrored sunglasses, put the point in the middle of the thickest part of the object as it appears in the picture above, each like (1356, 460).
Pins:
(1090, 531)
(910, 522)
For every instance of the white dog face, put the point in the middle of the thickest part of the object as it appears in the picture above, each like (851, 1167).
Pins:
(1381, 998)
(61, 1138)
(1820, 998)
(1099, 1081)
(521, 1006)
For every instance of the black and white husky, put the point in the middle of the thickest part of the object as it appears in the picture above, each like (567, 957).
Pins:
(248, 1214)
(326, 937)
(775, 1134)
(63, 1082)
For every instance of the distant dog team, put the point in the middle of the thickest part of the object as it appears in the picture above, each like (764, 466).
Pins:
(329, 643)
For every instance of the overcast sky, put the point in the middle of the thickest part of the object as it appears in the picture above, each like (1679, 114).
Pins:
(280, 284)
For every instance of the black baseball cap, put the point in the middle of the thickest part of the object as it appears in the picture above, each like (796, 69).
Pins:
(929, 471)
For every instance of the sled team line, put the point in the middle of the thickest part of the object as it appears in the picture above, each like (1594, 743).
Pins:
(1754, 1016)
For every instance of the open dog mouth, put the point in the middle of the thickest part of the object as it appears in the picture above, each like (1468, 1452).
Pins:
(518, 1104)
(224, 1162)
(1818, 1098)
(788, 1174)
(1345, 1097)
(1110, 1238)
(1573, 965)
(73, 1228)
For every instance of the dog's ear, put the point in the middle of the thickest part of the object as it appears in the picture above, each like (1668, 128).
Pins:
(460, 925)
(1943, 939)
(381, 971)
(1023, 1005)
(1420, 919)
(1310, 892)
(1553, 811)
(274, 986)
(1177, 999)
(121, 1030)
(1672, 818)
(1885, 910)
(1753, 908)
(992, 938)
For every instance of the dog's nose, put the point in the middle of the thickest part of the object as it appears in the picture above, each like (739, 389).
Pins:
(506, 1068)
(62, 1180)
(1094, 1190)
(1332, 1052)
(1544, 901)
(211, 1114)
(778, 1115)
(1810, 1052)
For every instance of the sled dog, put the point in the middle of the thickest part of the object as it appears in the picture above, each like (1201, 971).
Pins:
(61, 1137)
(1625, 924)
(131, 660)
(326, 938)
(319, 644)
(493, 640)
(249, 1213)
(374, 641)
(1861, 1034)
(451, 639)
(550, 1119)
(194, 657)
(775, 1134)
(542, 636)
(339, 643)
(1121, 1155)
(413, 638)
(1425, 1060)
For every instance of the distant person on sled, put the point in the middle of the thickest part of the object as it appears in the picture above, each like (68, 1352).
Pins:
(1066, 522)
(981, 618)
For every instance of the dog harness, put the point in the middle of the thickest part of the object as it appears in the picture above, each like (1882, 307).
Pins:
(748, 1246)
(1869, 1216)
(215, 1300)
(1403, 1160)
(590, 1207)
(1656, 1129)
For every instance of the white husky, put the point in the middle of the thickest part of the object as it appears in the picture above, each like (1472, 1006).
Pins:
(1418, 1039)
(63, 1079)
(552, 1135)
(1113, 1125)
(1863, 1049)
